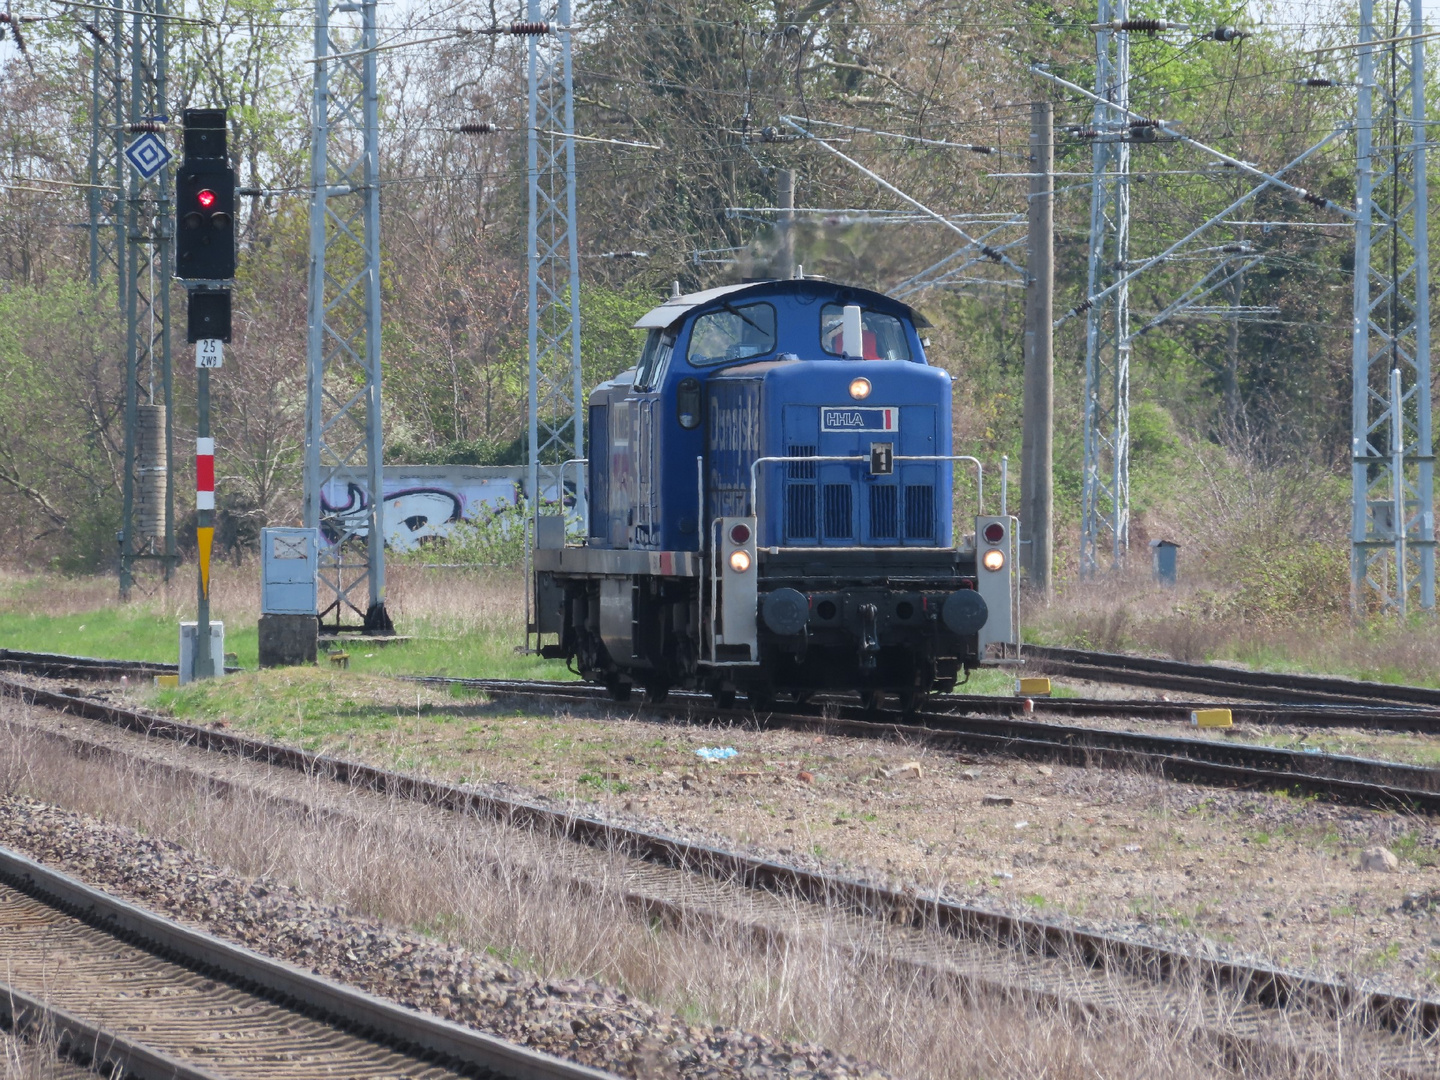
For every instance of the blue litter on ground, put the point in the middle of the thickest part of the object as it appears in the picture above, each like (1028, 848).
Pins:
(717, 753)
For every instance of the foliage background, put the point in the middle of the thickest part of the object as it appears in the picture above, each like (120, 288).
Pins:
(1240, 428)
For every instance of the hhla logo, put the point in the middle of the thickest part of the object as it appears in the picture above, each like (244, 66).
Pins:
(841, 418)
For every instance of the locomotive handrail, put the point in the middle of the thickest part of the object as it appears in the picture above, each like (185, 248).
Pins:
(582, 503)
(979, 470)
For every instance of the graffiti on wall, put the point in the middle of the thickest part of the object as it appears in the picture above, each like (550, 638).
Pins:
(421, 502)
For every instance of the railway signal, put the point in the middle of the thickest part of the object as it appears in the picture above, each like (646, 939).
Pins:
(205, 262)
(205, 201)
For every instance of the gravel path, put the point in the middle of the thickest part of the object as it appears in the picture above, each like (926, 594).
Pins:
(580, 1020)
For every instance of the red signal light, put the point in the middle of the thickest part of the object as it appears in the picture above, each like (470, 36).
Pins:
(994, 532)
(740, 534)
(206, 199)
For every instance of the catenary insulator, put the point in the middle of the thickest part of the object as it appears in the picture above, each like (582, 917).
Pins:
(481, 128)
(529, 28)
(1229, 33)
(153, 127)
(1317, 82)
(1144, 26)
(1315, 200)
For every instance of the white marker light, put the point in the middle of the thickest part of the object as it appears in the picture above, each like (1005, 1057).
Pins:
(739, 561)
(859, 389)
(994, 559)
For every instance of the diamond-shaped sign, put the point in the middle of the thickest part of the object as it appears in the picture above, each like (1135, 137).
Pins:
(147, 155)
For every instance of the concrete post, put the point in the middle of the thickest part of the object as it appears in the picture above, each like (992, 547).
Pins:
(1037, 502)
(785, 257)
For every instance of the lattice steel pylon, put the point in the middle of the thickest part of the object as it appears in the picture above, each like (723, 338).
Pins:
(344, 447)
(556, 398)
(1392, 562)
(147, 267)
(1105, 488)
(107, 144)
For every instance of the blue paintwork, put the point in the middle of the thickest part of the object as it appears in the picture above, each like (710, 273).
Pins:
(644, 483)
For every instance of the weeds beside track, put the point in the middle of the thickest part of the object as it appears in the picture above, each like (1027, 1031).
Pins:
(1049, 963)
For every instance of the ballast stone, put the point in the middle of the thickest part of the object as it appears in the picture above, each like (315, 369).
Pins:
(1379, 860)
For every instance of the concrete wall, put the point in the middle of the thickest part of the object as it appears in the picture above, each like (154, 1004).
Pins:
(427, 500)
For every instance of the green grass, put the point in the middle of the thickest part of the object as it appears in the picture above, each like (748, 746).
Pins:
(114, 633)
(478, 655)
(118, 633)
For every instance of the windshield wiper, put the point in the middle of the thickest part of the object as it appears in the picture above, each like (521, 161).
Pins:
(737, 312)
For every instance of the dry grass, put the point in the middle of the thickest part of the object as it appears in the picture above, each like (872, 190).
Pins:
(35, 1058)
(1129, 612)
(471, 883)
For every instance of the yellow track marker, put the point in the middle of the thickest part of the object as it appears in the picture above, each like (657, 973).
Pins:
(205, 537)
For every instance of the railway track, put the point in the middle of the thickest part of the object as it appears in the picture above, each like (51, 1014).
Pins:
(1372, 705)
(967, 723)
(1093, 972)
(1226, 682)
(137, 995)
(1342, 778)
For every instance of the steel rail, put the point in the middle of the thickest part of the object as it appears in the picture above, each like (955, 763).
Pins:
(382, 1022)
(104, 1051)
(1229, 682)
(1290, 698)
(1316, 701)
(1261, 985)
(1342, 778)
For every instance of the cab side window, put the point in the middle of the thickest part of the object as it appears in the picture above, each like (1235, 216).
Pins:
(654, 359)
(883, 335)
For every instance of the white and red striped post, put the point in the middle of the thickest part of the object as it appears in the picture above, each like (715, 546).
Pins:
(205, 521)
(205, 474)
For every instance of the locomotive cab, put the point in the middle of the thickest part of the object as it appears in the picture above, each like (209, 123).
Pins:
(771, 509)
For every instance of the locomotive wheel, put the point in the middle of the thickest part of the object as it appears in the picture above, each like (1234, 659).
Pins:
(761, 698)
(871, 700)
(910, 702)
(655, 693)
(618, 691)
(724, 699)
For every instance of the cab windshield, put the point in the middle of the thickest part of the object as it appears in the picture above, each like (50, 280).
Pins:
(739, 332)
(883, 335)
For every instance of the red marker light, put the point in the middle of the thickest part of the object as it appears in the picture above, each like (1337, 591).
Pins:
(206, 199)
(994, 532)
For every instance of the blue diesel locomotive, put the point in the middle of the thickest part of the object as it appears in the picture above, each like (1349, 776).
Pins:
(770, 509)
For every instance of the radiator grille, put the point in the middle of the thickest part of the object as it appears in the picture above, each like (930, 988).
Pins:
(800, 512)
(884, 522)
(839, 512)
(800, 495)
(919, 512)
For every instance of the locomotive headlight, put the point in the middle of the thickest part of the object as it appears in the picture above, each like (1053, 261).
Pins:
(994, 559)
(739, 561)
(859, 389)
